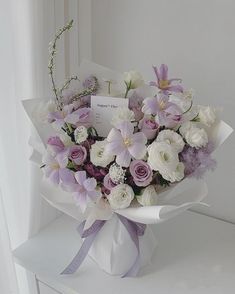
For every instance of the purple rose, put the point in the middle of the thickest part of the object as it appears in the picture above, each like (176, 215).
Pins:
(149, 127)
(78, 154)
(55, 144)
(141, 172)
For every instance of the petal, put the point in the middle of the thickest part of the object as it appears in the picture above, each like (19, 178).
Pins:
(54, 177)
(114, 147)
(70, 187)
(81, 199)
(139, 138)
(163, 72)
(80, 176)
(90, 184)
(137, 150)
(176, 88)
(62, 158)
(126, 129)
(156, 72)
(94, 195)
(66, 176)
(114, 135)
(124, 158)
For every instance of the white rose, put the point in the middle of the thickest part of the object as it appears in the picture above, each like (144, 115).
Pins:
(122, 114)
(162, 157)
(196, 137)
(121, 196)
(98, 156)
(133, 79)
(176, 175)
(148, 196)
(172, 138)
(117, 173)
(206, 115)
(80, 134)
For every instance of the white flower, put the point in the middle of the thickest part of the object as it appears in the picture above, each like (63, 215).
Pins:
(117, 173)
(176, 175)
(162, 157)
(122, 114)
(148, 196)
(172, 138)
(98, 156)
(80, 134)
(121, 196)
(66, 139)
(185, 127)
(196, 137)
(133, 79)
(206, 115)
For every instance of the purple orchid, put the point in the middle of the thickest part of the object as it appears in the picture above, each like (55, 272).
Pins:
(166, 113)
(55, 168)
(163, 83)
(126, 144)
(83, 190)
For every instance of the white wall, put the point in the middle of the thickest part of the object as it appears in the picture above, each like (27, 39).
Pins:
(196, 38)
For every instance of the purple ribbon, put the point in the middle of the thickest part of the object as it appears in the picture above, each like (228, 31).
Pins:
(133, 228)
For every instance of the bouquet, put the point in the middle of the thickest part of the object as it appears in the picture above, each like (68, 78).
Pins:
(118, 154)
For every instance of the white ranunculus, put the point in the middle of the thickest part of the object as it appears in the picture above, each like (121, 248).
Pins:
(98, 156)
(133, 78)
(117, 173)
(172, 138)
(148, 196)
(162, 157)
(206, 115)
(176, 175)
(121, 196)
(80, 134)
(196, 137)
(122, 114)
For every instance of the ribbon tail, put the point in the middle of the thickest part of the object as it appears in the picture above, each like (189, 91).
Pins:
(83, 251)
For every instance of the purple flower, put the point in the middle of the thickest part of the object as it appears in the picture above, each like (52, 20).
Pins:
(55, 168)
(149, 127)
(83, 190)
(59, 117)
(166, 113)
(81, 116)
(123, 143)
(77, 154)
(108, 183)
(163, 83)
(141, 172)
(55, 144)
(197, 161)
(97, 172)
(135, 104)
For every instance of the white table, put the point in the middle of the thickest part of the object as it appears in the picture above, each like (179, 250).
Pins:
(195, 255)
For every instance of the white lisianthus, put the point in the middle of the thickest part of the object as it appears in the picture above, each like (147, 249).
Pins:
(80, 134)
(148, 196)
(206, 115)
(196, 137)
(176, 175)
(172, 138)
(121, 196)
(98, 156)
(117, 173)
(133, 79)
(162, 157)
(185, 127)
(122, 114)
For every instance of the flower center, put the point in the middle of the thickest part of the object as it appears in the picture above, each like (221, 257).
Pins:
(54, 165)
(127, 142)
(163, 84)
(162, 105)
(164, 156)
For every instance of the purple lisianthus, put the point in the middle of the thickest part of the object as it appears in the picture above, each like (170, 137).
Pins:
(197, 161)
(84, 189)
(163, 83)
(55, 168)
(149, 127)
(141, 172)
(55, 144)
(77, 154)
(126, 144)
(166, 113)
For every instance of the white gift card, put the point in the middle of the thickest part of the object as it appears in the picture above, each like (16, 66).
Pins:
(103, 109)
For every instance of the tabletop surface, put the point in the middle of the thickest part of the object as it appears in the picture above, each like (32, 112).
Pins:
(195, 254)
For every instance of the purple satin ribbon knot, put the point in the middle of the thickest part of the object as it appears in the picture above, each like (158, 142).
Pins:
(134, 229)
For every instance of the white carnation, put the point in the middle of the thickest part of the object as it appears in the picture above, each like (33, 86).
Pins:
(172, 138)
(122, 114)
(98, 156)
(176, 175)
(134, 79)
(117, 173)
(80, 134)
(162, 157)
(148, 196)
(196, 137)
(121, 196)
(206, 115)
